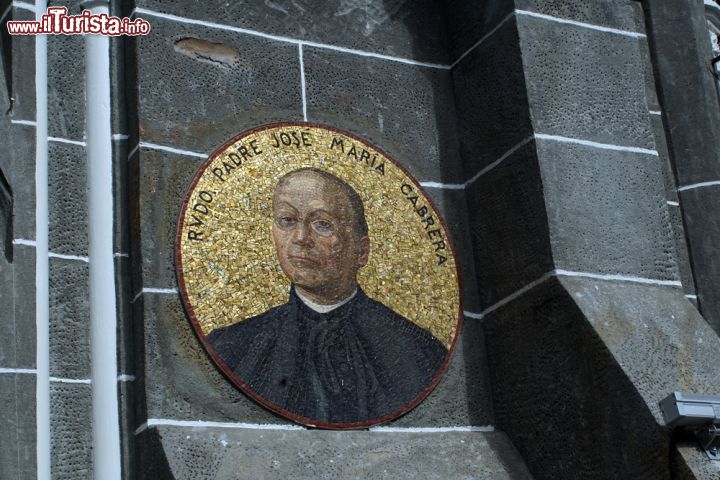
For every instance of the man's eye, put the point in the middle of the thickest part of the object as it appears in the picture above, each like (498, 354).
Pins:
(322, 227)
(286, 222)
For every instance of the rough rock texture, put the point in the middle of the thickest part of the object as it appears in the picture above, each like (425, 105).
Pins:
(67, 178)
(17, 421)
(407, 110)
(191, 105)
(689, 462)
(224, 454)
(70, 431)
(681, 54)
(584, 363)
(69, 319)
(401, 28)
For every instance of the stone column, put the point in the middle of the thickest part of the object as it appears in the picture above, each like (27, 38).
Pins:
(587, 325)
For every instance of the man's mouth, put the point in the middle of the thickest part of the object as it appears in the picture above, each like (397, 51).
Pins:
(299, 260)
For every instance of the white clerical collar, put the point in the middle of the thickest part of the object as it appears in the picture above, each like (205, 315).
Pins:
(324, 308)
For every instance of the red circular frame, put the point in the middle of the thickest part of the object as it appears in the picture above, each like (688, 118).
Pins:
(216, 357)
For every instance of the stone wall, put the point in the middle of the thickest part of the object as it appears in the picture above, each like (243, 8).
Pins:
(536, 129)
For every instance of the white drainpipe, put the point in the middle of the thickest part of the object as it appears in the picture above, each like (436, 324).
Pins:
(42, 261)
(103, 314)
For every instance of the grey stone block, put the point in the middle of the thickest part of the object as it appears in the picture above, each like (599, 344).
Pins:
(655, 335)
(66, 85)
(508, 227)
(405, 110)
(667, 170)
(163, 181)
(181, 382)
(469, 21)
(702, 226)
(67, 191)
(23, 74)
(70, 431)
(565, 95)
(687, 90)
(21, 176)
(17, 421)
(463, 397)
(452, 206)
(690, 462)
(194, 103)
(681, 250)
(229, 454)
(69, 319)
(597, 357)
(601, 217)
(17, 326)
(647, 66)
(491, 100)
(391, 27)
(618, 14)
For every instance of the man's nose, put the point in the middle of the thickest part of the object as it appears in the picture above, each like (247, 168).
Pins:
(302, 235)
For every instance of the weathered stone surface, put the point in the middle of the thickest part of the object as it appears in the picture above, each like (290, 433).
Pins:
(67, 178)
(463, 396)
(70, 431)
(681, 251)
(468, 22)
(23, 74)
(452, 206)
(597, 357)
(565, 95)
(491, 100)
(601, 218)
(689, 462)
(69, 319)
(508, 227)
(17, 422)
(17, 321)
(650, 91)
(181, 382)
(207, 104)
(392, 27)
(406, 110)
(163, 180)
(654, 334)
(702, 224)
(681, 52)
(669, 180)
(618, 14)
(688, 92)
(21, 176)
(224, 454)
(66, 85)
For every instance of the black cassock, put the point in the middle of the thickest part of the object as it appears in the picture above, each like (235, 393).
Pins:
(359, 362)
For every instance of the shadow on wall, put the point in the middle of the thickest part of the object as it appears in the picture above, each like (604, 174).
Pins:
(457, 25)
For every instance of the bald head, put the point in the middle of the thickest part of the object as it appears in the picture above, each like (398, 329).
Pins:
(338, 186)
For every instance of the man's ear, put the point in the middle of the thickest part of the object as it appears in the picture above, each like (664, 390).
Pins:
(363, 251)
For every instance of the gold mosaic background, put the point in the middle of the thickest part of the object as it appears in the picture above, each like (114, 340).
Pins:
(233, 273)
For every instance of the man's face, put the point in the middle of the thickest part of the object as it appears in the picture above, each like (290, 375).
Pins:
(315, 237)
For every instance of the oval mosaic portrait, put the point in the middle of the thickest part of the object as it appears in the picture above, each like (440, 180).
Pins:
(318, 275)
